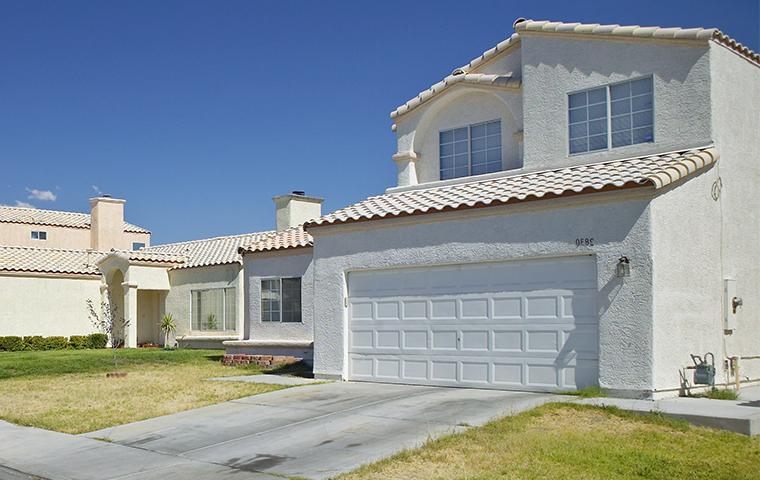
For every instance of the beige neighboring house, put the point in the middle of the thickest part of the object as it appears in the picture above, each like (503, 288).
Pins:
(53, 262)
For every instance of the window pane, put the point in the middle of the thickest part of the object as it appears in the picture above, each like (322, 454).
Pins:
(597, 127)
(493, 141)
(270, 300)
(597, 111)
(597, 143)
(577, 100)
(620, 139)
(208, 311)
(461, 161)
(461, 172)
(460, 134)
(460, 147)
(479, 169)
(597, 96)
(478, 131)
(642, 119)
(494, 156)
(478, 158)
(478, 144)
(641, 86)
(291, 299)
(642, 135)
(577, 115)
(494, 167)
(621, 106)
(621, 123)
(494, 128)
(446, 150)
(447, 162)
(578, 130)
(447, 174)
(447, 136)
(622, 90)
(230, 309)
(579, 145)
(643, 102)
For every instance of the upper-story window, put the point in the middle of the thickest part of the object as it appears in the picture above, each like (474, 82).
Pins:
(470, 150)
(619, 114)
(39, 235)
(137, 245)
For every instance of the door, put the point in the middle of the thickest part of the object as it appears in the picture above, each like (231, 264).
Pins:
(521, 325)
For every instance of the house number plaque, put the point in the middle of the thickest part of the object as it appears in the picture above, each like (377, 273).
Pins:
(584, 242)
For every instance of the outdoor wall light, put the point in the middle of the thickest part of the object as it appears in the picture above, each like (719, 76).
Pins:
(623, 267)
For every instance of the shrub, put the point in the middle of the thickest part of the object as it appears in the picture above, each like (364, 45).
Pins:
(11, 344)
(34, 342)
(55, 343)
(79, 342)
(97, 340)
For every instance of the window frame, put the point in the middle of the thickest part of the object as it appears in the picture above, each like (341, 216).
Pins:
(469, 128)
(281, 309)
(224, 309)
(137, 243)
(608, 89)
(39, 235)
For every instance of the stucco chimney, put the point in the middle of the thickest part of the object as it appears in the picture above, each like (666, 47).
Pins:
(296, 208)
(107, 223)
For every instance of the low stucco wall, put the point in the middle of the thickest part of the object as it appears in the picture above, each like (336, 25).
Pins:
(178, 299)
(618, 222)
(295, 263)
(37, 305)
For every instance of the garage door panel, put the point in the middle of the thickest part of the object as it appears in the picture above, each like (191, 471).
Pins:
(514, 325)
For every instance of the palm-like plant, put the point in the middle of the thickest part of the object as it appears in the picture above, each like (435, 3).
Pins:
(167, 327)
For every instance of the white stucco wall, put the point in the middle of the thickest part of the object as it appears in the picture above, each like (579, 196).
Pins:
(618, 222)
(555, 65)
(736, 126)
(184, 281)
(686, 278)
(41, 305)
(289, 263)
(59, 237)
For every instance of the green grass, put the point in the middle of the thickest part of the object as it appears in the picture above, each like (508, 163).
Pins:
(569, 441)
(68, 391)
(719, 394)
(59, 362)
(587, 392)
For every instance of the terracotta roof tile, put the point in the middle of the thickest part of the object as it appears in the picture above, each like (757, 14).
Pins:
(654, 170)
(49, 260)
(36, 216)
(210, 251)
(294, 237)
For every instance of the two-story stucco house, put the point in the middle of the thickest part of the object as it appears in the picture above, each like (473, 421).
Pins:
(575, 207)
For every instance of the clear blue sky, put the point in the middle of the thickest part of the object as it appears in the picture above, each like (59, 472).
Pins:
(199, 112)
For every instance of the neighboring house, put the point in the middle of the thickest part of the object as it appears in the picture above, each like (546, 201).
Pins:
(561, 220)
(48, 264)
(44, 291)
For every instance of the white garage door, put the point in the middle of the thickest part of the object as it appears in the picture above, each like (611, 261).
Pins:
(523, 325)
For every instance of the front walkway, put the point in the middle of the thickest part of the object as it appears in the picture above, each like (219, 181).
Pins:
(313, 431)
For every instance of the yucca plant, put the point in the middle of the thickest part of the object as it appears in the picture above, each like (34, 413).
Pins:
(168, 327)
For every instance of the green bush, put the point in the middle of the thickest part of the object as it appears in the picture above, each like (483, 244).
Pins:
(34, 342)
(11, 344)
(55, 343)
(79, 342)
(97, 340)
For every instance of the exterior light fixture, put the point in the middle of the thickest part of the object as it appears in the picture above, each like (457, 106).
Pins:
(623, 267)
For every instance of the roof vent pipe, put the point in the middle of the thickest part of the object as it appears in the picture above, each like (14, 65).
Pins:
(298, 192)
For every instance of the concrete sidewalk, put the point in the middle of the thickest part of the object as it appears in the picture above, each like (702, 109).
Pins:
(740, 416)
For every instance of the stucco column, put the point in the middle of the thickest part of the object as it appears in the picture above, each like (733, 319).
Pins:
(130, 314)
(407, 170)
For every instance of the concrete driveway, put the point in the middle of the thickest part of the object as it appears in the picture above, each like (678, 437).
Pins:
(314, 431)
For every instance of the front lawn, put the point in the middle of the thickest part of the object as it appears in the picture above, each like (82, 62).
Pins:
(68, 391)
(565, 441)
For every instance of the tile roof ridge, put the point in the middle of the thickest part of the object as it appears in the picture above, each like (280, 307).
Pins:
(221, 237)
(35, 209)
(53, 249)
